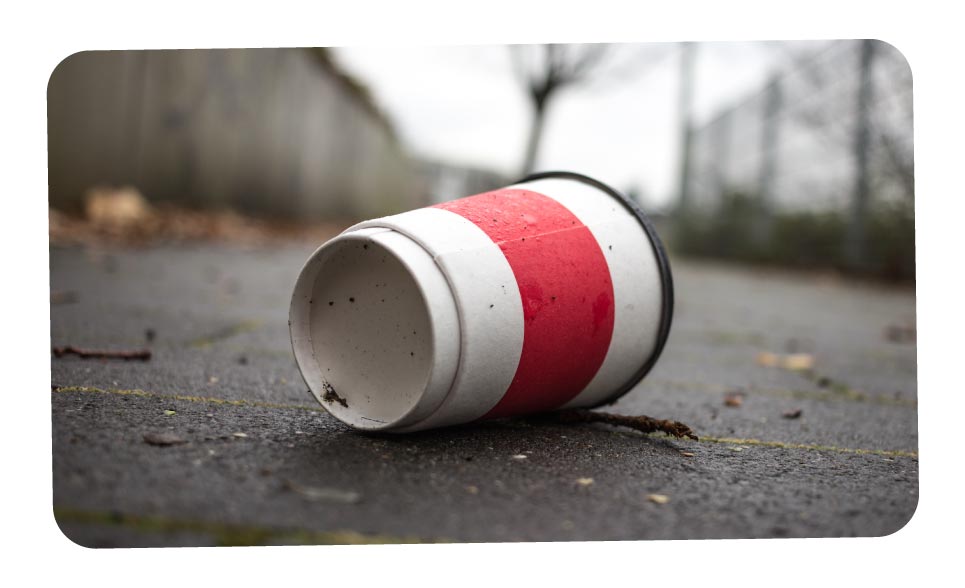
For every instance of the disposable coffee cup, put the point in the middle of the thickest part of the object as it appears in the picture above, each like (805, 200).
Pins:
(552, 293)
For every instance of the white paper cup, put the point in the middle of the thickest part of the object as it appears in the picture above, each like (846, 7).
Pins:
(552, 293)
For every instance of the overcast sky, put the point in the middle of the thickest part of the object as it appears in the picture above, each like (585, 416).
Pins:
(463, 105)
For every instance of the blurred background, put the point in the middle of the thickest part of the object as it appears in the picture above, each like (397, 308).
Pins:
(792, 154)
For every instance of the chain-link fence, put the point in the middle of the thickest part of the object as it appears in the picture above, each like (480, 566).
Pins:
(816, 167)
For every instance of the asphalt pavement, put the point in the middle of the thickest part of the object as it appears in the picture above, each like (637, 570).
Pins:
(802, 388)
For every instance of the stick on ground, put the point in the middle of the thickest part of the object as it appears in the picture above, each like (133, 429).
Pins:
(135, 355)
(641, 423)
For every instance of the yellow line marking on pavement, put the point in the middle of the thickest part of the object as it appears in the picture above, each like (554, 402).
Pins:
(225, 333)
(234, 535)
(259, 404)
(186, 398)
(783, 445)
(840, 396)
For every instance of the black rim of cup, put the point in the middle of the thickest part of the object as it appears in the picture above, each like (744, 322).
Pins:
(663, 265)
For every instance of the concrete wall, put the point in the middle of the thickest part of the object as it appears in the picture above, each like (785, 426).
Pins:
(264, 131)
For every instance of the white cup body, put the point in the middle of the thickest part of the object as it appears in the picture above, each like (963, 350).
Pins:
(552, 293)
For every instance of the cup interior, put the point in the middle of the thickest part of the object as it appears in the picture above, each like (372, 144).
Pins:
(365, 334)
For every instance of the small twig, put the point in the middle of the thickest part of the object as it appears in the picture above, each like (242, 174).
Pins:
(641, 423)
(135, 355)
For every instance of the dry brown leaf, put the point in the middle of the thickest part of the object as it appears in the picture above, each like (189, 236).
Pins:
(658, 498)
(734, 399)
(795, 362)
(798, 362)
(768, 359)
(121, 216)
(116, 209)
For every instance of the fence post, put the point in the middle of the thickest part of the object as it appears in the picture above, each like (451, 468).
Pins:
(855, 245)
(723, 129)
(685, 106)
(770, 138)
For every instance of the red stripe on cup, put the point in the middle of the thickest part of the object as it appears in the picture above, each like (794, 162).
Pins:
(565, 286)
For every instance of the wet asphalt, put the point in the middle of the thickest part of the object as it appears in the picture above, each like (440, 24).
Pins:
(216, 441)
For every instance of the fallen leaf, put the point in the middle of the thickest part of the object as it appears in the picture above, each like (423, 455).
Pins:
(163, 439)
(767, 359)
(239, 435)
(734, 399)
(169, 413)
(686, 454)
(472, 490)
(116, 209)
(792, 414)
(584, 481)
(797, 362)
(658, 498)
(519, 456)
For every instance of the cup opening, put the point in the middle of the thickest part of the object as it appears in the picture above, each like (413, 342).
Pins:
(364, 333)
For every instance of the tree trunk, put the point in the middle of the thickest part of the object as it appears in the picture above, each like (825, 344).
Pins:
(535, 134)
(855, 246)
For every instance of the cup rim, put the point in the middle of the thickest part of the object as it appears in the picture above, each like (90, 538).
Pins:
(434, 389)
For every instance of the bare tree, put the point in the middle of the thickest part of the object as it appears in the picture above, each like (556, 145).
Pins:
(544, 70)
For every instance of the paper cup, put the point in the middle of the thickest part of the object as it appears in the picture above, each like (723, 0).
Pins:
(552, 293)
